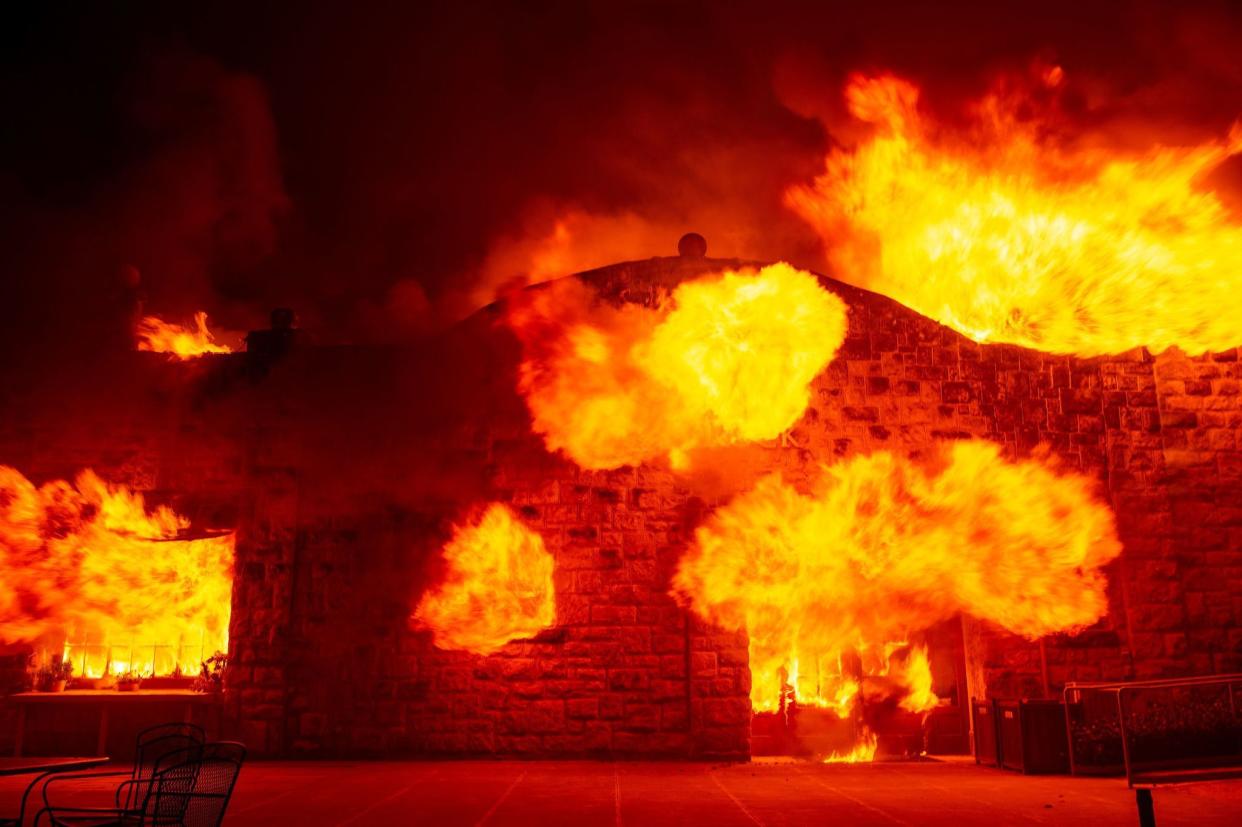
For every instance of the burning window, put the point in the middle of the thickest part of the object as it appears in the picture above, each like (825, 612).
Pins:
(498, 586)
(87, 570)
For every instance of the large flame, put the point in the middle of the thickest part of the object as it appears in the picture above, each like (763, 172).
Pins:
(183, 342)
(498, 586)
(729, 358)
(1008, 235)
(87, 564)
(917, 679)
(828, 585)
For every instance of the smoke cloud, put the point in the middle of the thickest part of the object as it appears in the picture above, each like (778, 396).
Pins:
(387, 170)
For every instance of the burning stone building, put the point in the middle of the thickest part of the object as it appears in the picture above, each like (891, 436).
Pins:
(679, 507)
(351, 479)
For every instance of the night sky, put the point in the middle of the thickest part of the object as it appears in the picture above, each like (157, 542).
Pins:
(379, 167)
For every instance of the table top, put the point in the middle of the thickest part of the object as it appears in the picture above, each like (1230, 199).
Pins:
(111, 696)
(31, 766)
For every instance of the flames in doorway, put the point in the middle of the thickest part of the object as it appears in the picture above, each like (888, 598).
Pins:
(830, 582)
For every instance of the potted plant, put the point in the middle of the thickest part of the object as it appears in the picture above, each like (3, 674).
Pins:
(54, 677)
(210, 679)
(128, 681)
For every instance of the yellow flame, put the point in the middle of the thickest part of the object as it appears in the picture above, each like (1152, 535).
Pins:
(919, 697)
(1008, 236)
(861, 752)
(728, 359)
(498, 586)
(882, 548)
(89, 564)
(159, 336)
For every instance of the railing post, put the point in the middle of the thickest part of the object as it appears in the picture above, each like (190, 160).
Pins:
(1147, 810)
(1069, 730)
(1121, 727)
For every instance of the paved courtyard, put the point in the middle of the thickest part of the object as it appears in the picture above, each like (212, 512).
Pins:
(582, 794)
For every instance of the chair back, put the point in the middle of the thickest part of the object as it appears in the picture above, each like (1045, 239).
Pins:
(155, 745)
(195, 791)
(174, 772)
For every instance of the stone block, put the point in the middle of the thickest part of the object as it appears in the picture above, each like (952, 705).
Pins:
(582, 708)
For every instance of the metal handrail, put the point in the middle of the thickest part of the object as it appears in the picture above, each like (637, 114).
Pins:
(1229, 677)
(1122, 687)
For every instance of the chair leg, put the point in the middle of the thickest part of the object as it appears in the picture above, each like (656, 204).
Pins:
(1147, 811)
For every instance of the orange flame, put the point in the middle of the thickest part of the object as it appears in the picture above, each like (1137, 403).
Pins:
(158, 336)
(1006, 235)
(498, 587)
(861, 752)
(917, 679)
(882, 548)
(87, 565)
(729, 358)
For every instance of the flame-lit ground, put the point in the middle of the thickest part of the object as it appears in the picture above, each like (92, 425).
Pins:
(476, 793)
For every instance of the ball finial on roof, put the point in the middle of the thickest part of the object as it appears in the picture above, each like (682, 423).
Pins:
(692, 245)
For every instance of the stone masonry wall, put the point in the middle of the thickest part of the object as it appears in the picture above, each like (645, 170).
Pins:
(1160, 434)
(327, 663)
(343, 470)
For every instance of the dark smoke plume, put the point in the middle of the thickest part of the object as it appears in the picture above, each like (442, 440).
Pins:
(385, 168)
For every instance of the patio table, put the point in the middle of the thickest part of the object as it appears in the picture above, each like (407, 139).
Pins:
(42, 768)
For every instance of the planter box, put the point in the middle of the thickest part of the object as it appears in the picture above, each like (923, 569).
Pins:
(983, 724)
(1031, 737)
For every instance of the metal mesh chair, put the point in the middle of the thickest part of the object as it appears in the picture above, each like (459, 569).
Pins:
(62, 816)
(189, 788)
(198, 793)
(155, 747)
(155, 744)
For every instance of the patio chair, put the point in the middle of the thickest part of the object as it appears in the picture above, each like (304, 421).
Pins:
(190, 789)
(204, 803)
(174, 768)
(153, 746)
